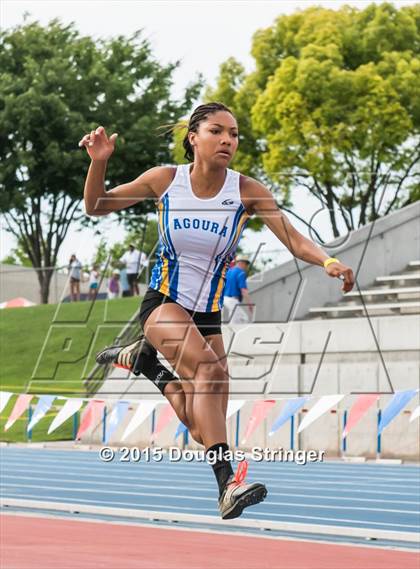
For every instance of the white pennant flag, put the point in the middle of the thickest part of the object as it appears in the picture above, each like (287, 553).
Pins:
(320, 407)
(415, 414)
(233, 407)
(70, 407)
(144, 409)
(44, 403)
(4, 399)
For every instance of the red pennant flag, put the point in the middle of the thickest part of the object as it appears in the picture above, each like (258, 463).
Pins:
(359, 408)
(22, 403)
(259, 412)
(165, 417)
(91, 416)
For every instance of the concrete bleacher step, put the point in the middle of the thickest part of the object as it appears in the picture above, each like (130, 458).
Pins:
(373, 309)
(409, 278)
(400, 293)
(413, 265)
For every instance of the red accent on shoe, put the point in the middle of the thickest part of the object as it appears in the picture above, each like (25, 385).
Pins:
(241, 472)
(122, 367)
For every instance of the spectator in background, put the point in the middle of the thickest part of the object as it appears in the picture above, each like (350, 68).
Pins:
(75, 271)
(93, 282)
(236, 292)
(125, 286)
(133, 261)
(114, 285)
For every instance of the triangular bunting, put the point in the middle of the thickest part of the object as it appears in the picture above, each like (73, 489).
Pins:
(180, 429)
(43, 405)
(259, 413)
(397, 404)
(415, 414)
(115, 418)
(4, 399)
(292, 406)
(233, 407)
(92, 416)
(70, 407)
(22, 403)
(166, 415)
(322, 406)
(359, 408)
(144, 409)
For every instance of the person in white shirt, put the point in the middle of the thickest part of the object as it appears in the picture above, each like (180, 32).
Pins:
(133, 260)
(93, 282)
(75, 271)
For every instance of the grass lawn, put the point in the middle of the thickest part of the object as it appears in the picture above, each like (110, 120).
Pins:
(50, 349)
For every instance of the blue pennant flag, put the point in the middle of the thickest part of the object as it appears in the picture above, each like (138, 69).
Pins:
(397, 404)
(291, 407)
(181, 429)
(115, 418)
(43, 406)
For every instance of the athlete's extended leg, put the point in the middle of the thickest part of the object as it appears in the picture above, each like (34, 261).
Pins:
(172, 331)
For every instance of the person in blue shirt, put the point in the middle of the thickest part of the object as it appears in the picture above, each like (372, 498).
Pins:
(125, 285)
(238, 307)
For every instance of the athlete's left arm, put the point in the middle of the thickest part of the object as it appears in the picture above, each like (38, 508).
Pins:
(258, 200)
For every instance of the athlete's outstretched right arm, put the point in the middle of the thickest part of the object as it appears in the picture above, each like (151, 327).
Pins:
(98, 201)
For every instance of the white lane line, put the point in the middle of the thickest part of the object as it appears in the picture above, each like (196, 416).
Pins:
(361, 522)
(338, 467)
(190, 477)
(199, 498)
(195, 464)
(333, 464)
(185, 469)
(195, 509)
(210, 488)
(96, 502)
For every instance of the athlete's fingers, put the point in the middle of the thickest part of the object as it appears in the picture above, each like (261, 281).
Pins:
(100, 130)
(84, 140)
(348, 278)
(92, 138)
(113, 138)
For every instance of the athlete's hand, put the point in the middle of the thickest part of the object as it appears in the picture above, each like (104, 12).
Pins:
(342, 272)
(98, 145)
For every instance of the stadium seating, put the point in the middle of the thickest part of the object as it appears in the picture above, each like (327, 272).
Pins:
(389, 294)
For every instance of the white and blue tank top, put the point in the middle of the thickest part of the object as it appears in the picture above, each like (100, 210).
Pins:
(197, 241)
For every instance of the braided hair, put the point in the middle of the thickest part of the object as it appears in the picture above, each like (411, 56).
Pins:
(199, 115)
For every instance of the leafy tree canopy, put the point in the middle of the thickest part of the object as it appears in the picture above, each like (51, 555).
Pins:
(332, 106)
(55, 86)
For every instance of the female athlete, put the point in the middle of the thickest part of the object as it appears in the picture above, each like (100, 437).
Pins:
(203, 208)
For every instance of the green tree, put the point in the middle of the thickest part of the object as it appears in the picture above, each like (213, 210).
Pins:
(55, 86)
(333, 108)
(17, 256)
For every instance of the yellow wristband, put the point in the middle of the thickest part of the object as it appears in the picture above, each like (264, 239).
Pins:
(329, 261)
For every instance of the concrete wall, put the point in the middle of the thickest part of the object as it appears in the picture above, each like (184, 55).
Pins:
(22, 281)
(382, 247)
(316, 357)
